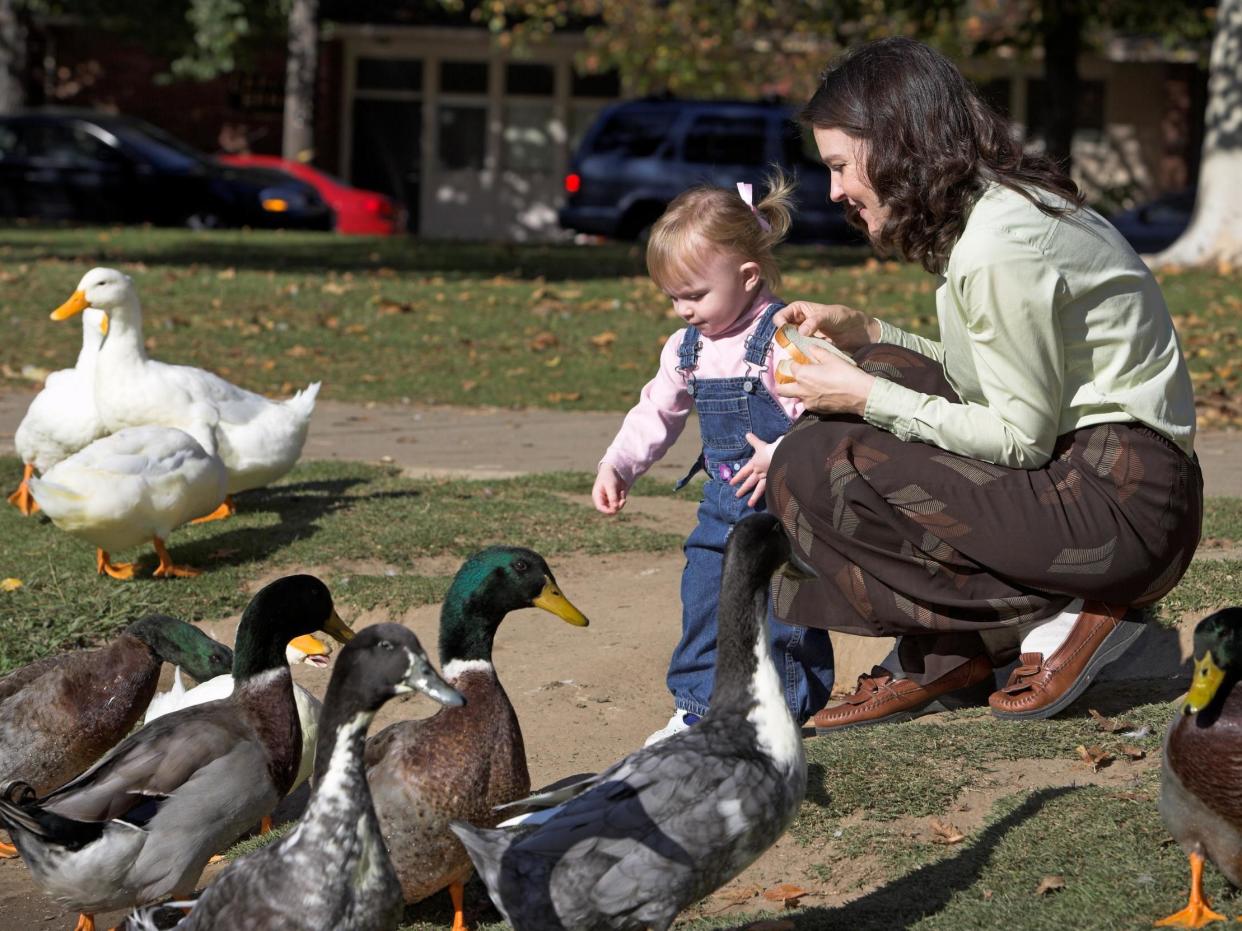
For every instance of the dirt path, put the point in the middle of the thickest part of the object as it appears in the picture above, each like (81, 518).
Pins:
(585, 697)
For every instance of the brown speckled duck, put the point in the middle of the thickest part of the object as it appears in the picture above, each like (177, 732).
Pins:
(1202, 766)
(141, 823)
(462, 762)
(60, 714)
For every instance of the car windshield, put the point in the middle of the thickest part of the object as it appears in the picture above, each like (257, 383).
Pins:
(634, 133)
(156, 146)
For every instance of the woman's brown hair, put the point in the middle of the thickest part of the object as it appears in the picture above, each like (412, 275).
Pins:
(933, 146)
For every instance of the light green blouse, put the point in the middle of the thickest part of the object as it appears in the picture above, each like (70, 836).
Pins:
(1047, 325)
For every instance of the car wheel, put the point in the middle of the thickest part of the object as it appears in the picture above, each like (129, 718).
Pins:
(636, 225)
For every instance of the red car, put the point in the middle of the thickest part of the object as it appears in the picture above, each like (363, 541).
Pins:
(358, 212)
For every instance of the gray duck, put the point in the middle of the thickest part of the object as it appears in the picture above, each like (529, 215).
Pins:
(462, 762)
(142, 822)
(1202, 764)
(60, 714)
(671, 822)
(284, 887)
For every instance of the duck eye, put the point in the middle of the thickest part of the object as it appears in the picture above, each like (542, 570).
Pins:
(521, 565)
(385, 645)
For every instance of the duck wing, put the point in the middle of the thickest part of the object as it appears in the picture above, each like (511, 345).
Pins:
(131, 781)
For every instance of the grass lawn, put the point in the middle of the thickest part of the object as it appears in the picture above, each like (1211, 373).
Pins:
(581, 328)
(382, 319)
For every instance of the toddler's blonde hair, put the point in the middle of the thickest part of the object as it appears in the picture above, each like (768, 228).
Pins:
(708, 218)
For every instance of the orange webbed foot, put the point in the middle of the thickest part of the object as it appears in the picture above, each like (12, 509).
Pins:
(22, 499)
(8, 851)
(1197, 912)
(117, 570)
(166, 569)
(226, 509)
(457, 892)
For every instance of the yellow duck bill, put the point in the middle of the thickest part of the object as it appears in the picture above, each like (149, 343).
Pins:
(72, 307)
(552, 601)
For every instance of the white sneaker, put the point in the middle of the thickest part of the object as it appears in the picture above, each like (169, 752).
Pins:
(676, 724)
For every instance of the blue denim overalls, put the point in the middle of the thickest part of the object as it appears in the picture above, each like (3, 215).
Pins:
(728, 409)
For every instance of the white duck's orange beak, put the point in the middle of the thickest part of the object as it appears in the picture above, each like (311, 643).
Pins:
(72, 307)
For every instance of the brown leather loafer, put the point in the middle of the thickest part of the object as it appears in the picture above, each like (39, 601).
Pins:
(882, 699)
(1040, 688)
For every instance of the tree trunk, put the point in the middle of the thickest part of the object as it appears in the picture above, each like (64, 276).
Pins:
(298, 141)
(1215, 231)
(1062, 35)
(12, 58)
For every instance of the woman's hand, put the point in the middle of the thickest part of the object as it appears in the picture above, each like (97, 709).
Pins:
(754, 475)
(848, 328)
(829, 385)
(608, 495)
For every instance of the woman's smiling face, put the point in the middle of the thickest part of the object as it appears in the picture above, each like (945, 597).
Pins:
(845, 158)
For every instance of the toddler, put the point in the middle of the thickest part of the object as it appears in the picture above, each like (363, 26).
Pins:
(711, 252)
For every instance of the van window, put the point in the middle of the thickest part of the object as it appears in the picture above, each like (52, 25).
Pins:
(634, 133)
(799, 146)
(720, 140)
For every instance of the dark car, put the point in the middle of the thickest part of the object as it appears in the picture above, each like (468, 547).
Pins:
(640, 154)
(1155, 226)
(94, 167)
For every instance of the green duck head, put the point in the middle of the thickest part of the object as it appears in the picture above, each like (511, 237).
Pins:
(282, 611)
(181, 644)
(489, 585)
(1218, 659)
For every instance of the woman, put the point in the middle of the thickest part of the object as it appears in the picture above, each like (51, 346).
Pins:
(1023, 485)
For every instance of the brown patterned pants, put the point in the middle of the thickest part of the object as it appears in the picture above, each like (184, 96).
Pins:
(915, 542)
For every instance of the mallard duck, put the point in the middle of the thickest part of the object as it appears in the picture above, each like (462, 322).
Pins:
(62, 417)
(259, 440)
(461, 762)
(135, 485)
(141, 823)
(305, 649)
(674, 821)
(1202, 764)
(60, 714)
(360, 891)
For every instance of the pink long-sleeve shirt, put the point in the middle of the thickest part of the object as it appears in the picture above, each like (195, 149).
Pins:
(653, 424)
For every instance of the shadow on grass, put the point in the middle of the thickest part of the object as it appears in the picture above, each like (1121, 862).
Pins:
(928, 889)
(300, 508)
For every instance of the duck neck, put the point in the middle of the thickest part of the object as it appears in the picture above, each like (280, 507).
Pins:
(467, 628)
(741, 638)
(124, 341)
(339, 783)
(256, 652)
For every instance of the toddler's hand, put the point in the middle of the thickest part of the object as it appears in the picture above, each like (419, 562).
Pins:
(608, 494)
(754, 475)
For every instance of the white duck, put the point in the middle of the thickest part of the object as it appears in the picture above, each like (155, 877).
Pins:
(132, 486)
(62, 417)
(307, 649)
(258, 439)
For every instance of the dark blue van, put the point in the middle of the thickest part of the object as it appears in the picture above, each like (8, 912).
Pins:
(640, 154)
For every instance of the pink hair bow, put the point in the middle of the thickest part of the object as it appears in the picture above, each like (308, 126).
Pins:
(746, 191)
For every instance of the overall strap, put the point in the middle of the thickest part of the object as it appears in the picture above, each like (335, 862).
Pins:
(688, 352)
(758, 341)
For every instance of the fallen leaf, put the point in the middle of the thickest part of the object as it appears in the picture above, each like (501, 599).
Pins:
(11, 585)
(786, 893)
(736, 895)
(1095, 757)
(987, 895)
(544, 339)
(603, 340)
(227, 274)
(392, 308)
(1132, 752)
(1050, 884)
(469, 385)
(1108, 725)
(556, 397)
(945, 833)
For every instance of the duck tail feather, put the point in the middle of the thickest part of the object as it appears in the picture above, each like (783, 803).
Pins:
(303, 403)
(486, 847)
(20, 812)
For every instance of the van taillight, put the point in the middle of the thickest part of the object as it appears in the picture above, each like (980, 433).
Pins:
(573, 182)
